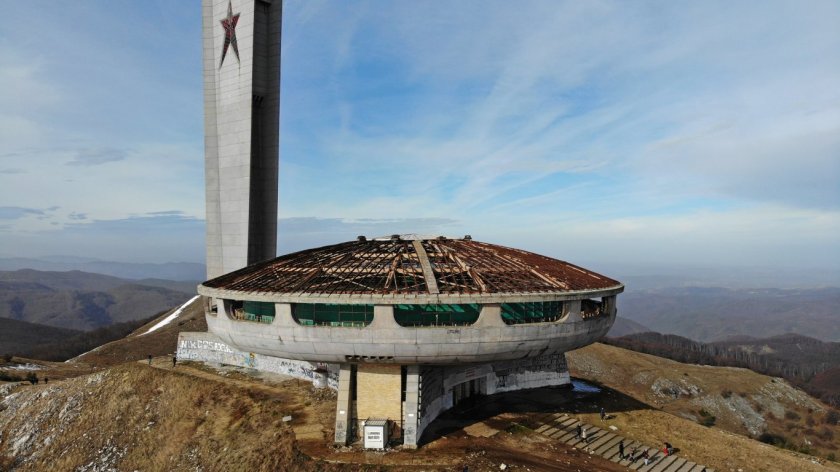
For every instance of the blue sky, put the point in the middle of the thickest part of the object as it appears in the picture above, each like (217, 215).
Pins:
(617, 134)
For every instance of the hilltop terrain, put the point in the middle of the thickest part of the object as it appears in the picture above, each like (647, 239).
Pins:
(809, 363)
(115, 411)
(733, 399)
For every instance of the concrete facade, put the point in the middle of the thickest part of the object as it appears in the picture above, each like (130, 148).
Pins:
(241, 131)
(383, 341)
(429, 390)
(406, 374)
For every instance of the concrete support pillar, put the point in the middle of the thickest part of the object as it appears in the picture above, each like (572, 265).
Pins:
(383, 317)
(411, 419)
(572, 309)
(609, 305)
(343, 405)
(491, 315)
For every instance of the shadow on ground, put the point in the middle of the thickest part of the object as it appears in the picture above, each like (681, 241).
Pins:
(530, 405)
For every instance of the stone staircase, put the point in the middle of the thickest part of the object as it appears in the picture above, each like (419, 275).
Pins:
(604, 443)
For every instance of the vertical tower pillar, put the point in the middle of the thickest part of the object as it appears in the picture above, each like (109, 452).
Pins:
(411, 419)
(241, 128)
(344, 406)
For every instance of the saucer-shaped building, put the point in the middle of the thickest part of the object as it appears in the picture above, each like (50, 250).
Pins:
(434, 320)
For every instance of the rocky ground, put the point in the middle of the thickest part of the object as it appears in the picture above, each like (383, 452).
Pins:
(729, 399)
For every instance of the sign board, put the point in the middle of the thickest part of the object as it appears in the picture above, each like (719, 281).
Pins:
(376, 434)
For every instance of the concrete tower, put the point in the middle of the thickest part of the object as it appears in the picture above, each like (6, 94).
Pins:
(241, 130)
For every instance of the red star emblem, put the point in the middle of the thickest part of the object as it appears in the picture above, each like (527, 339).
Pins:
(229, 24)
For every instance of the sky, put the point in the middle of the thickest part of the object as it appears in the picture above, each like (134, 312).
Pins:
(621, 135)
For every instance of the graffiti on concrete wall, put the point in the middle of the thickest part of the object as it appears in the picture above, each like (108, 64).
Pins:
(210, 350)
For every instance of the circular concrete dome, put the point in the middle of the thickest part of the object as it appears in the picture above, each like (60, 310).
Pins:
(399, 268)
(410, 301)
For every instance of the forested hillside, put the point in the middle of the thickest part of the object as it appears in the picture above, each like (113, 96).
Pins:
(713, 314)
(809, 363)
(84, 301)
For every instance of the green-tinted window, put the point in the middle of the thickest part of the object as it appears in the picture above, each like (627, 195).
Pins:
(531, 312)
(262, 312)
(436, 315)
(325, 314)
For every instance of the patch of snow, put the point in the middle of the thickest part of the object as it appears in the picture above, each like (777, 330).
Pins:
(171, 317)
(22, 367)
(581, 386)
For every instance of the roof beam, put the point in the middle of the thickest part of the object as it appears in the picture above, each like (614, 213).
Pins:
(431, 281)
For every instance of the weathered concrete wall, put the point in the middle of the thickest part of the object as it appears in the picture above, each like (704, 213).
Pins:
(206, 347)
(488, 340)
(503, 376)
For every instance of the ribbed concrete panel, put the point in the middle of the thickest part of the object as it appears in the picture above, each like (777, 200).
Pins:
(241, 126)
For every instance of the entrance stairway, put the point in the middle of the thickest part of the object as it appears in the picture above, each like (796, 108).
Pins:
(604, 443)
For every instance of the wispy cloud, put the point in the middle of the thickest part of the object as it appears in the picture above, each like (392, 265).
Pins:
(95, 157)
(13, 213)
(555, 125)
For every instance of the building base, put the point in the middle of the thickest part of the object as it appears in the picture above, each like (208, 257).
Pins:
(207, 347)
(409, 397)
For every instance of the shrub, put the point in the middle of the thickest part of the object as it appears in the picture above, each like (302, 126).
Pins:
(773, 439)
(7, 377)
(832, 417)
(726, 393)
(706, 418)
(792, 415)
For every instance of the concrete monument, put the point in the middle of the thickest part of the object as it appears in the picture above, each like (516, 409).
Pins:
(241, 130)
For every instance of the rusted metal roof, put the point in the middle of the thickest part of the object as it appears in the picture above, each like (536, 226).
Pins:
(400, 266)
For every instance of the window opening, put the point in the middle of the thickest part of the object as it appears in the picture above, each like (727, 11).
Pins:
(531, 312)
(436, 315)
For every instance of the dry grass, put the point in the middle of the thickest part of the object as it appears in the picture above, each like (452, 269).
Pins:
(676, 418)
(140, 418)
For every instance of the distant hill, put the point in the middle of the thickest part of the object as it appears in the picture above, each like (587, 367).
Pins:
(711, 314)
(17, 337)
(36, 341)
(84, 301)
(809, 363)
(624, 326)
(180, 271)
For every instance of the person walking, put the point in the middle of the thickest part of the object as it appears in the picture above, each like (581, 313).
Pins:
(603, 414)
(583, 433)
(621, 449)
(174, 360)
(150, 359)
(646, 457)
(578, 431)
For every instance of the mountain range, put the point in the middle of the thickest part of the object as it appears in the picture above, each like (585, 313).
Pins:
(713, 314)
(85, 301)
(181, 271)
